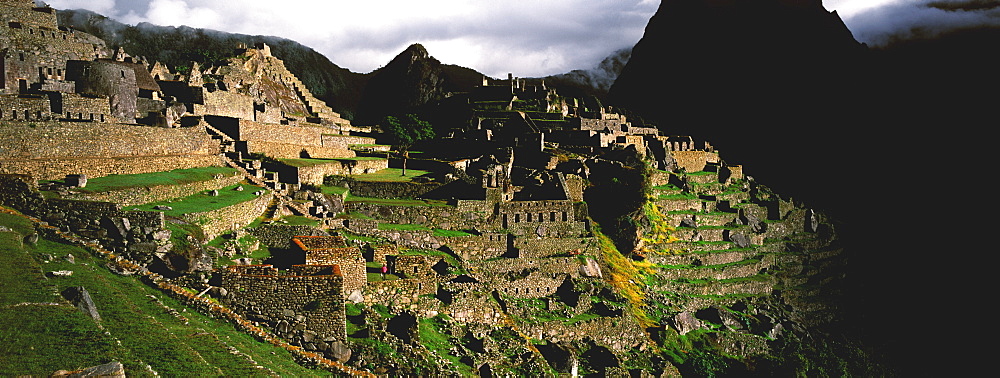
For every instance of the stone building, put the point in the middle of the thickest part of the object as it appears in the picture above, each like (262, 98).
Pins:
(304, 305)
(332, 250)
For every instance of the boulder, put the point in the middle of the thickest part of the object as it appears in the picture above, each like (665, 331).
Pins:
(812, 221)
(741, 240)
(686, 322)
(70, 258)
(113, 369)
(31, 239)
(689, 221)
(356, 296)
(61, 273)
(162, 207)
(80, 297)
(340, 351)
(590, 268)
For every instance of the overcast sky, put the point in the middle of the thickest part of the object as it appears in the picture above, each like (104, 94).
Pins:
(529, 38)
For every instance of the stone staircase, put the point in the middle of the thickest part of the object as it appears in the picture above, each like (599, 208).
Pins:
(254, 172)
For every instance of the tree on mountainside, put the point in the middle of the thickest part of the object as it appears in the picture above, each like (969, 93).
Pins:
(406, 131)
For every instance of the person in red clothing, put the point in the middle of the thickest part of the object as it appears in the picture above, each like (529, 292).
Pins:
(384, 270)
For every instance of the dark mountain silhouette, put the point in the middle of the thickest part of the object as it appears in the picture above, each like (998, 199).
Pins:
(782, 87)
(411, 81)
(763, 80)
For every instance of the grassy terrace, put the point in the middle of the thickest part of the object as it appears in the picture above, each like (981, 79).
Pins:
(315, 162)
(143, 326)
(389, 175)
(174, 177)
(202, 202)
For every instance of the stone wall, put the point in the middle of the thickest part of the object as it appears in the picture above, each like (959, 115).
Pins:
(535, 285)
(545, 247)
(25, 108)
(694, 161)
(382, 189)
(351, 263)
(344, 141)
(84, 139)
(295, 151)
(549, 265)
(300, 308)
(280, 235)
(50, 150)
(140, 195)
(107, 79)
(615, 125)
(445, 217)
(230, 218)
(398, 293)
(316, 174)
(58, 168)
(102, 221)
(77, 107)
(480, 247)
(536, 212)
(229, 104)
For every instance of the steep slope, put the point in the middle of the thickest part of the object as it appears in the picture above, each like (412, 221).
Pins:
(179, 46)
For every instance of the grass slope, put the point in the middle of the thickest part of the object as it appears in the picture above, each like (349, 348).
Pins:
(38, 339)
(174, 177)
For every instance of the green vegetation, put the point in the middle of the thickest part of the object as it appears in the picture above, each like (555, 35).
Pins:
(298, 220)
(174, 177)
(407, 130)
(306, 162)
(203, 202)
(390, 175)
(450, 233)
(39, 338)
(335, 190)
(434, 335)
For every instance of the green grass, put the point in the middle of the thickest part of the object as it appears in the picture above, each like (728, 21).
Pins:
(202, 202)
(335, 190)
(434, 336)
(298, 220)
(40, 339)
(390, 175)
(450, 233)
(678, 196)
(174, 177)
(306, 162)
(402, 227)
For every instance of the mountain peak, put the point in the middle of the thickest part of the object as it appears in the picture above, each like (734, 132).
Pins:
(417, 49)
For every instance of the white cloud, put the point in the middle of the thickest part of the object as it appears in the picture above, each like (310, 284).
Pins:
(526, 37)
(906, 19)
(105, 7)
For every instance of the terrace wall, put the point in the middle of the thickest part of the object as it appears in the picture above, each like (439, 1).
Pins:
(230, 218)
(147, 194)
(308, 309)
